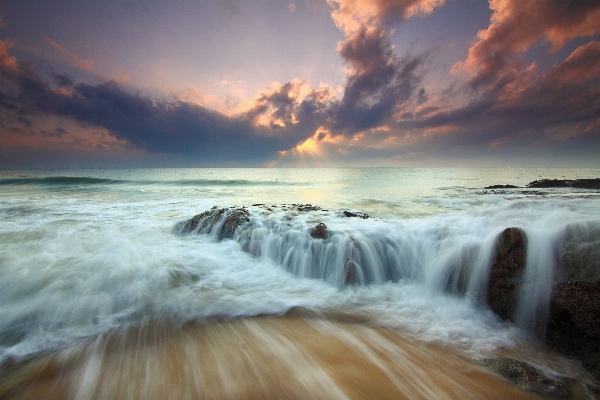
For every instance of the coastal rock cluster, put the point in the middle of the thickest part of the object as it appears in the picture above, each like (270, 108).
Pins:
(528, 377)
(574, 318)
(555, 183)
(573, 323)
(211, 219)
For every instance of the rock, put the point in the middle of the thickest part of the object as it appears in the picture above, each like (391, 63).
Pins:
(320, 231)
(350, 214)
(306, 207)
(507, 272)
(528, 377)
(579, 253)
(574, 183)
(350, 273)
(501, 187)
(574, 322)
(236, 218)
(573, 327)
(206, 221)
(209, 218)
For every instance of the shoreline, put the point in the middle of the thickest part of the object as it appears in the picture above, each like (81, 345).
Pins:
(298, 355)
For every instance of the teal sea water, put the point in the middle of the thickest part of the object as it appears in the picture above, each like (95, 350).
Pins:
(84, 252)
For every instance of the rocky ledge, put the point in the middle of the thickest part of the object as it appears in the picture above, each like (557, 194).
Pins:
(236, 216)
(554, 183)
(528, 377)
(574, 183)
(209, 220)
(573, 327)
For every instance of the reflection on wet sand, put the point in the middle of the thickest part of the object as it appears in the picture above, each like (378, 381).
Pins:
(294, 356)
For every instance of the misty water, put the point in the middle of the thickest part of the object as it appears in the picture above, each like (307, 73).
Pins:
(86, 252)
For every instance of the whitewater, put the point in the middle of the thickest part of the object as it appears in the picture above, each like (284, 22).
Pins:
(84, 252)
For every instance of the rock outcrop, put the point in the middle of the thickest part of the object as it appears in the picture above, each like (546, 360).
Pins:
(507, 272)
(574, 318)
(528, 377)
(320, 231)
(574, 183)
(574, 323)
(351, 214)
(501, 187)
(207, 221)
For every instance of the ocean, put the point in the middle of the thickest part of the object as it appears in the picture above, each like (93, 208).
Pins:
(87, 253)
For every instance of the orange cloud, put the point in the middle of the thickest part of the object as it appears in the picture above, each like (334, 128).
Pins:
(516, 25)
(583, 64)
(280, 105)
(8, 63)
(351, 15)
(86, 65)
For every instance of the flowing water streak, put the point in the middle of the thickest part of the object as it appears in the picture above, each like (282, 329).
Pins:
(296, 356)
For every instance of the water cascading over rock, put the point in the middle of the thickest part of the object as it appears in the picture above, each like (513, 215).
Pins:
(554, 296)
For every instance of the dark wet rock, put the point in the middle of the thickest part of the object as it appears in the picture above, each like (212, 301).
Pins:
(501, 187)
(306, 207)
(320, 231)
(351, 214)
(236, 218)
(574, 323)
(350, 273)
(579, 253)
(573, 327)
(528, 377)
(208, 220)
(507, 272)
(574, 183)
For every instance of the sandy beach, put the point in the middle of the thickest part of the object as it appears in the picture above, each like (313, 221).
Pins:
(295, 356)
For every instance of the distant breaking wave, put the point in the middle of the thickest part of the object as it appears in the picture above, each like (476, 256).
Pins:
(85, 181)
(58, 180)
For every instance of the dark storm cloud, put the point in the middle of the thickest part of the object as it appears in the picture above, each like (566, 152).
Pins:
(379, 83)
(154, 125)
(63, 80)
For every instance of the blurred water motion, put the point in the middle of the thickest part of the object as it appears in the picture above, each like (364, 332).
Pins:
(296, 356)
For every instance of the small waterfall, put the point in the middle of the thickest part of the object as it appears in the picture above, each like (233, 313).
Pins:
(533, 308)
(452, 256)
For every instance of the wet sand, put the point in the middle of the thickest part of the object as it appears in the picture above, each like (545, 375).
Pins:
(296, 356)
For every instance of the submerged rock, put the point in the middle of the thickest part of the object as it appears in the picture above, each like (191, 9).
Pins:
(507, 272)
(528, 377)
(501, 187)
(351, 214)
(320, 231)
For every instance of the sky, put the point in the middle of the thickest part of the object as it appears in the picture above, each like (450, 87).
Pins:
(303, 83)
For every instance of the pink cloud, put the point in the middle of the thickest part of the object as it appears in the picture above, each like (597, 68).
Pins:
(350, 15)
(86, 65)
(516, 25)
(8, 63)
(582, 65)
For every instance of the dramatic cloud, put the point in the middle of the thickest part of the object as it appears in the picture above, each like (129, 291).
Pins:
(353, 15)
(157, 126)
(8, 63)
(390, 109)
(379, 83)
(516, 25)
